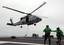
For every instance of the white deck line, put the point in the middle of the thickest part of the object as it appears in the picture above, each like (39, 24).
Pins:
(2, 42)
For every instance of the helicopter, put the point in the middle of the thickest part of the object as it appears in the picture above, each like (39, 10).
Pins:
(29, 19)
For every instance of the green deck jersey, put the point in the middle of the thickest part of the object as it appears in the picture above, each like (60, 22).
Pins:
(58, 32)
(47, 30)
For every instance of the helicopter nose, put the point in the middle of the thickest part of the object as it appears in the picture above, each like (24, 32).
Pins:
(39, 19)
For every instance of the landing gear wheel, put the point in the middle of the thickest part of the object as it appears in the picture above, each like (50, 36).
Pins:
(34, 24)
(21, 26)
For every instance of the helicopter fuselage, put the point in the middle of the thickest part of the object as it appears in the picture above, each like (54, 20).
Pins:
(32, 20)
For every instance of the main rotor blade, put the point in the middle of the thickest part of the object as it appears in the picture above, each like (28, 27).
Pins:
(14, 10)
(39, 7)
(42, 16)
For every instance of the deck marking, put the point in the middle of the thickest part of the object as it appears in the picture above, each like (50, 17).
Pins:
(3, 42)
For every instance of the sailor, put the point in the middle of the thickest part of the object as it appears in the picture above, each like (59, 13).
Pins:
(47, 31)
(59, 35)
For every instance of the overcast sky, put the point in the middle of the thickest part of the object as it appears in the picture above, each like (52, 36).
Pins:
(53, 9)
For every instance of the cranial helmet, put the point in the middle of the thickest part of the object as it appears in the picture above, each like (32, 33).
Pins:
(58, 28)
(47, 25)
